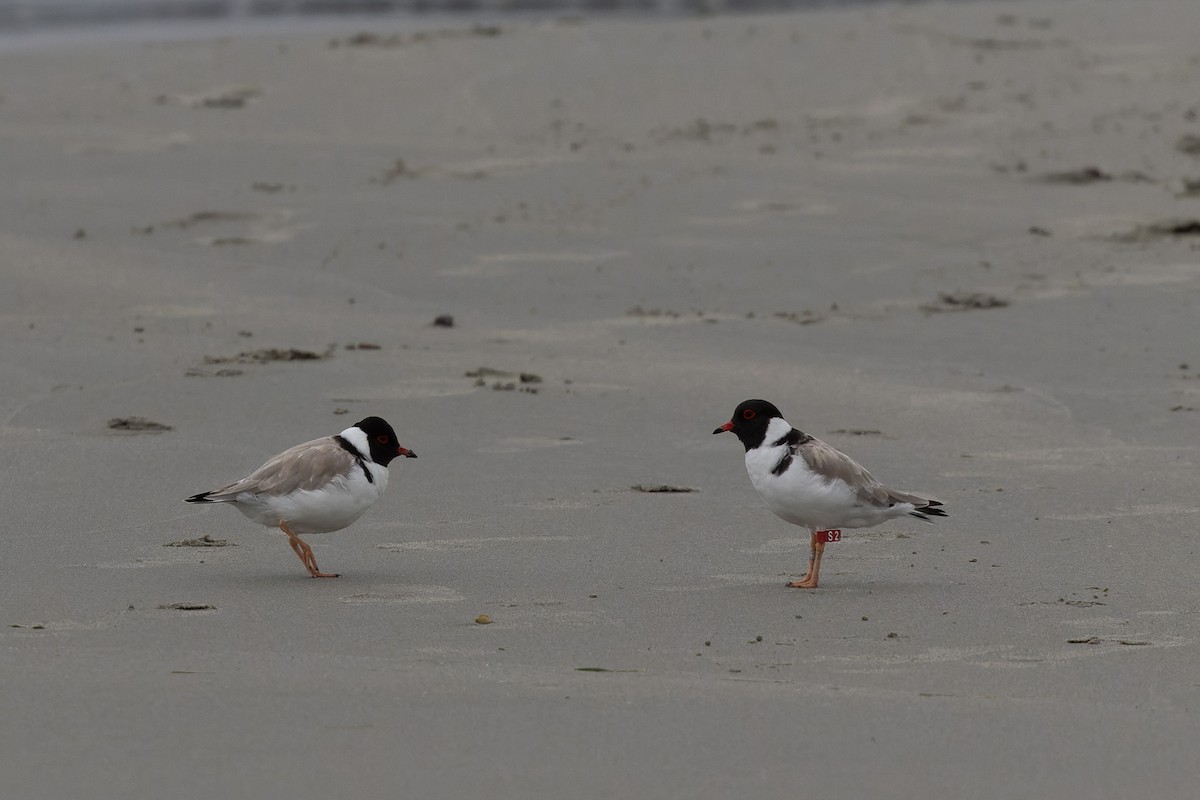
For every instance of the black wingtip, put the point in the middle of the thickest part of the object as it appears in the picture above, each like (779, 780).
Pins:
(199, 498)
(930, 509)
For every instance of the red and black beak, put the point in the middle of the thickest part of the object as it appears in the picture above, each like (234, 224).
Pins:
(404, 451)
(728, 426)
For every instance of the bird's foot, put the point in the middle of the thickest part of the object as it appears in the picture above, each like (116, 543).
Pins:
(807, 583)
(305, 554)
(310, 562)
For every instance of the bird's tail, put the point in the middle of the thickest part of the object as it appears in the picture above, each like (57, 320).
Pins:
(932, 508)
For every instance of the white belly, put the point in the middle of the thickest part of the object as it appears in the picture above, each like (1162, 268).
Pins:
(804, 499)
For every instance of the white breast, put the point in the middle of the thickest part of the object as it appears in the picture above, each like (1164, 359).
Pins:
(802, 497)
(798, 495)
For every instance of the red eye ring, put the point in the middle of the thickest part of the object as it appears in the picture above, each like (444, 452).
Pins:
(748, 413)
(382, 438)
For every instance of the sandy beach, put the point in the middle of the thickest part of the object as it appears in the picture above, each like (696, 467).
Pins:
(957, 241)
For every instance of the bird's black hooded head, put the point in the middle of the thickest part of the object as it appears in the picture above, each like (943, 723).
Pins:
(750, 421)
(382, 441)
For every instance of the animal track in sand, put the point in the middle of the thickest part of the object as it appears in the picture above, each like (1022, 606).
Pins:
(1175, 228)
(230, 97)
(662, 488)
(203, 541)
(1109, 646)
(268, 355)
(59, 626)
(637, 315)
(709, 131)
(137, 425)
(254, 227)
(963, 301)
(369, 40)
(477, 169)
(1084, 176)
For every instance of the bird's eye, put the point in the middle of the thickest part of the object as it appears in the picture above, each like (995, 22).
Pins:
(383, 439)
(748, 413)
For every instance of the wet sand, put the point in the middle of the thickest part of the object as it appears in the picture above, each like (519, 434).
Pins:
(957, 242)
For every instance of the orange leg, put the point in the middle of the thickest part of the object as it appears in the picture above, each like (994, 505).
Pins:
(812, 578)
(305, 554)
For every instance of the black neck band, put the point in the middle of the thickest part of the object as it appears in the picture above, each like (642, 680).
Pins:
(352, 450)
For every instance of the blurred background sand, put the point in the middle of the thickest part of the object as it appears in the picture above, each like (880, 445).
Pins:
(956, 241)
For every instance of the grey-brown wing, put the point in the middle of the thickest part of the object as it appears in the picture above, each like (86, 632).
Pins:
(306, 466)
(832, 464)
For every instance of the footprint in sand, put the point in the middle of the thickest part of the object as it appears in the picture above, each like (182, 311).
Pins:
(232, 227)
(229, 97)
